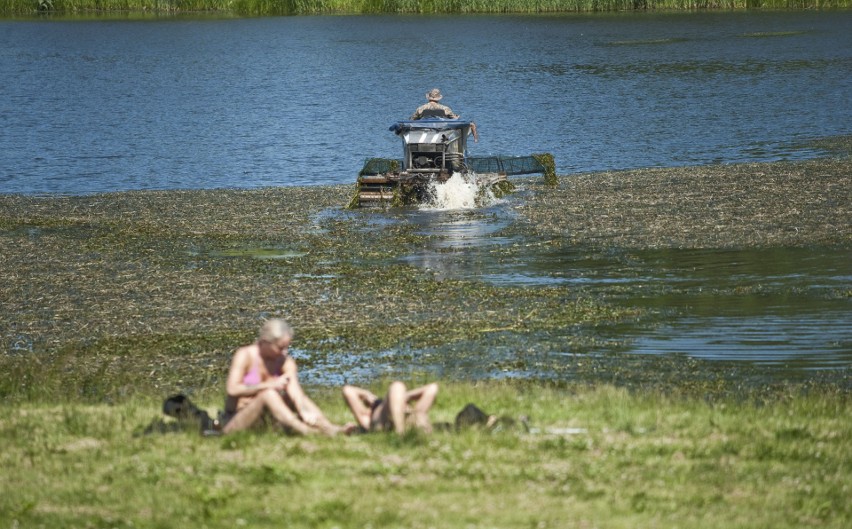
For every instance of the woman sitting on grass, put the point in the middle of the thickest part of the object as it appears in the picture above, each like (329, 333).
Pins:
(263, 378)
(392, 412)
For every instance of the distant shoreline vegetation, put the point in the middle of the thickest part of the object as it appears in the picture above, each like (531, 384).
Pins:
(317, 7)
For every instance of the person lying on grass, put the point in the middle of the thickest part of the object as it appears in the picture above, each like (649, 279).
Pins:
(393, 412)
(263, 378)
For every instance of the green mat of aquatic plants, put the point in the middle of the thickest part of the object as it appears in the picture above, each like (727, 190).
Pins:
(165, 284)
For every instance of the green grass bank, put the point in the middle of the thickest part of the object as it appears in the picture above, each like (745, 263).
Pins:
(597, 457)
(314, 7)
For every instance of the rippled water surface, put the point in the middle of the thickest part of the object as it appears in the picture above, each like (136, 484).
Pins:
(109, 105)
(784, 308)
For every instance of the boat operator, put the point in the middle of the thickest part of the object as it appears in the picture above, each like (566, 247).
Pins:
(434, 109)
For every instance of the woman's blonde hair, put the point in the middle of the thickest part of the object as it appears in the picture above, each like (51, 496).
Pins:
(275, 329)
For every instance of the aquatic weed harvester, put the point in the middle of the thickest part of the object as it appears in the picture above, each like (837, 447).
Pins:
(434, 150)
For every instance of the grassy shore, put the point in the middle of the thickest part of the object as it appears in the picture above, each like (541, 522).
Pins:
(314, 7)
(594, 457)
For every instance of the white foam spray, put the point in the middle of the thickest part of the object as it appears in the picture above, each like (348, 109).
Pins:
(459, 192)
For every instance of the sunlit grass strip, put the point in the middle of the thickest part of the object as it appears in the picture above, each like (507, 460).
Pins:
(305, 7)
(606, 457)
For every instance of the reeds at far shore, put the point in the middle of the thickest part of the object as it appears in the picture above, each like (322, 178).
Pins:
(314, 7)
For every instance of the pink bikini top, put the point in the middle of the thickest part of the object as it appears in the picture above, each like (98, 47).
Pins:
(252, 378)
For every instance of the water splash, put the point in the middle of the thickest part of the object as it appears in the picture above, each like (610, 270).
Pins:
(459, 192)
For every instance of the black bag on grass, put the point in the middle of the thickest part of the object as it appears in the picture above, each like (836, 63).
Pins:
(473, 417)
(181, 408)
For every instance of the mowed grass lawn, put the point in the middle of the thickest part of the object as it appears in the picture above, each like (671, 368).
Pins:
(593, 456)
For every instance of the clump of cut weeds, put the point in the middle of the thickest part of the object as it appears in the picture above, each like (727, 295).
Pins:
(546, 160)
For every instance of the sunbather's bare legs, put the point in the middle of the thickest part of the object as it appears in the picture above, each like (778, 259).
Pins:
(395, 404)
(266, 400)
(393, 411)
(423, 398)
(360, 402)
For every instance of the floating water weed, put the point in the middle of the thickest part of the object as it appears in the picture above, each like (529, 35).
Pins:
(166, 284)
(716, 206)
(549, 164)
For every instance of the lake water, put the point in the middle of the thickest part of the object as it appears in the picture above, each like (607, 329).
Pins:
(114, 105)
(110, 105)
(783, 312)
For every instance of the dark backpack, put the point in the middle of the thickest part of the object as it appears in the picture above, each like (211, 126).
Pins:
(181, 408)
